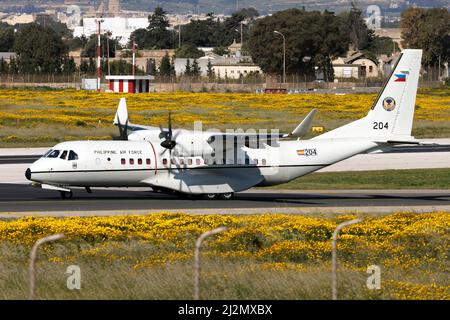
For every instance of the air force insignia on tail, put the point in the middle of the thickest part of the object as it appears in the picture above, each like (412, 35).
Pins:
(389, 104)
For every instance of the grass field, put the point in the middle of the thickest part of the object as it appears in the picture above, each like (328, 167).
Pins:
(383, 179)
(44, 117)
(258, 257)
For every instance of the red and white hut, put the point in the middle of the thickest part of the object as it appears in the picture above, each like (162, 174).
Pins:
(129, 84)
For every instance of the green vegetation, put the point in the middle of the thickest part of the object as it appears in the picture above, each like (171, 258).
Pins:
(267, 256)
(383, 179)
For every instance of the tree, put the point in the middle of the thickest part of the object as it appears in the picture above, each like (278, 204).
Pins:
(92, 65)
(69, 65)
(77, 43)
(248, 13)
(211, 32)
(151, 67)
(6, 39)
(157, 35)
(313, 38)
(209, 70)
(221, 51)
(13, 67)
(84, 66)
(189, 50)
(356, 28)
(381, 45)
(106, 40)
(166, 68)
(3, 66)
(195, 70)
(427, 29)
(39, 50)
(187, 68)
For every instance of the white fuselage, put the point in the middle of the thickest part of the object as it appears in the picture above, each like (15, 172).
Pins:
(145, 163)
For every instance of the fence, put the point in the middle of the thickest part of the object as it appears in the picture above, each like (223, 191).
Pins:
(294, 83)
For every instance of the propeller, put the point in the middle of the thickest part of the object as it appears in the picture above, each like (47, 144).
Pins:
(169, 142)
(123, 130)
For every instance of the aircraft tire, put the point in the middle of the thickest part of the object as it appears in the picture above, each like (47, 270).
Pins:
(227, 196)
(66, 195)
(211, 196)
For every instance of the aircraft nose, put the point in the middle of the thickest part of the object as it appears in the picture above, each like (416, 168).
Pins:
(28, 174)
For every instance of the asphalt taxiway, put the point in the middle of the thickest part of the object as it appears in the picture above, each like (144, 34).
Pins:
(26, 199)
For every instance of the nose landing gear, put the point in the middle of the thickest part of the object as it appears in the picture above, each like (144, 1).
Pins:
(66, 195)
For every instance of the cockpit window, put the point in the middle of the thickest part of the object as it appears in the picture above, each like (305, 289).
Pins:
(64, 155)
(47, 153)
(53, 154)
(72, 155)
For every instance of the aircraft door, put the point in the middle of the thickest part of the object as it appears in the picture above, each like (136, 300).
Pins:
(153, 158)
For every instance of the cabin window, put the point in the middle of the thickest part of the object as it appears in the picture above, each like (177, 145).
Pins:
(148, 162)
(181, 161)
(165, 161)
(256, 161)
(190, 162)
(139, 161)
(370, 68)
(72, 156)
(198, 162)
(173, 161)
(53, 154)
(263, 162)
(131, 161)
(122, 161)
(63, 155)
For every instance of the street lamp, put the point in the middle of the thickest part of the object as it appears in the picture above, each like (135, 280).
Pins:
(284, 55)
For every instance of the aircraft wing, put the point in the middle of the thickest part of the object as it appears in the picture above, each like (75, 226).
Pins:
(207, 180)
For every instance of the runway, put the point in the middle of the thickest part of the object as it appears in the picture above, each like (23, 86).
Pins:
(24, 198)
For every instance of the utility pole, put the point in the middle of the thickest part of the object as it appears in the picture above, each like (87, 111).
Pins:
(284, 55)
(99, 72)
(179, 36)
(242, 38)
(134, 57)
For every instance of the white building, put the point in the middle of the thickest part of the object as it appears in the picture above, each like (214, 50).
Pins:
(118, 26)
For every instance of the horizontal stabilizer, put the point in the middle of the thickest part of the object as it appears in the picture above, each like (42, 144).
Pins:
(303, 128)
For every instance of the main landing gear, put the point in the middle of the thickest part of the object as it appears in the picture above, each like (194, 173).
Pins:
(224, 196)
(208, 196)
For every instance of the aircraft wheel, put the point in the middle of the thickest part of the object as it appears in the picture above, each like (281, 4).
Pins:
(66, 195)
(227, 196)
(211, 196)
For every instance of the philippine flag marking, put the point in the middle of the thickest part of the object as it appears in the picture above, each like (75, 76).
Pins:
(401, 77)
(301, 152)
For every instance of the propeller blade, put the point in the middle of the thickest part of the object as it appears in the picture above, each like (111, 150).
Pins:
(170, 127)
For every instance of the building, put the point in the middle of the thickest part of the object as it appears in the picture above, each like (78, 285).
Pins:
(7, 56)
(222, 67)
(120, 27)
(129, 84)
(357, 65)
(234, 68)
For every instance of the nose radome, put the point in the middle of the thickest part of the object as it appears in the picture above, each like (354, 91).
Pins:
(28, 174)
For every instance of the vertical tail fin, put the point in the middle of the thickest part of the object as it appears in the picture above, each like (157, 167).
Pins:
(121, 117)
(392, 112)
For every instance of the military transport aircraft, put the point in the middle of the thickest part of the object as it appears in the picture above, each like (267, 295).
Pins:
(214, 164)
